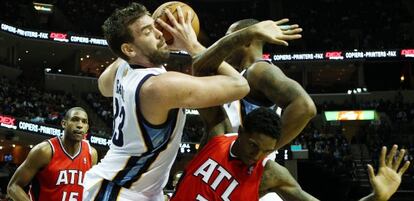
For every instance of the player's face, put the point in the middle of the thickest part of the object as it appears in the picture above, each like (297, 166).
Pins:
(148, 41)
(76, 125)
(255, 146)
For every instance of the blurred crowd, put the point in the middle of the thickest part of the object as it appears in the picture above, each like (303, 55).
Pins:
(22, 100)
(328, 24)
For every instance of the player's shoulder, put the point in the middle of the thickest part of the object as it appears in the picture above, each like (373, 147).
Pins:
(259, 68)
(41, 153)
(261, 65)
(44, 148)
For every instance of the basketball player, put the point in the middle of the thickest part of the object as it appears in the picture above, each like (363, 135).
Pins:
(56, 167)
(148, 120)
(269, 87)
(235, 166)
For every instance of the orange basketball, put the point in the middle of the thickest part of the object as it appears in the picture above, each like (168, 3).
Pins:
(172, 6)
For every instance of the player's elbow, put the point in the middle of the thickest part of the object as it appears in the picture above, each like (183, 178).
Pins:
(103, 88)
(241, 87)
(309, 108)
(305, 106)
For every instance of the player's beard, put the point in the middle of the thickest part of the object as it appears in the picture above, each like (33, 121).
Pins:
(159, 56)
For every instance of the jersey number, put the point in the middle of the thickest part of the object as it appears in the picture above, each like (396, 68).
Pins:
(200, 198)
(73, 196)
(118, 135)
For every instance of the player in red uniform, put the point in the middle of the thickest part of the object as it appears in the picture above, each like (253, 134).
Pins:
(56, 167)
(234, 167)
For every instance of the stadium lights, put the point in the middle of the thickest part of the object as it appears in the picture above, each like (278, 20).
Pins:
(350, 115)
(357, 90)
(42, 7)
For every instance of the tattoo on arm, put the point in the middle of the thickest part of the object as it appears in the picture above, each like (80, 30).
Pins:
(278, 87)
(208, 61)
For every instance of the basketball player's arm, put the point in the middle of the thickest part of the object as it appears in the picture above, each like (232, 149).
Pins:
(172, 90)
(38, 158)
(106, 79)
(298, 106)
(94, 156)
(210, 60)
(388, 178)
(268, 31)
(186, 39)
(277, 178)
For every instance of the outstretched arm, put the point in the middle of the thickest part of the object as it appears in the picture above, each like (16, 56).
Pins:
(268, 31)
(388, 177)
(298, 106)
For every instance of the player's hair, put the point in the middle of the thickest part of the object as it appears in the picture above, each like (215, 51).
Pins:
(263, 121)
(241, 24)
(244, 23)
(69, 112)
(116, 28)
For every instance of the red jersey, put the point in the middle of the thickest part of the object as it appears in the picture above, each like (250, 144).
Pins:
(62, 178)
(214, 174)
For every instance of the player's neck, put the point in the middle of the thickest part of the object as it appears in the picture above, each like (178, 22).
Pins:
(249, 59)
(141, 62)
(71, 146)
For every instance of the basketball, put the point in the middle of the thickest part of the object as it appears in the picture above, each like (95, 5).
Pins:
(172, 6)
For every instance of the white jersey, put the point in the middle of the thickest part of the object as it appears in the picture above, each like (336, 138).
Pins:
(141, 154)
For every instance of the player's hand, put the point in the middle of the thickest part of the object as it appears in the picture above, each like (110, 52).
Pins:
(388, 177)
(275, 32)
(181, 30)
